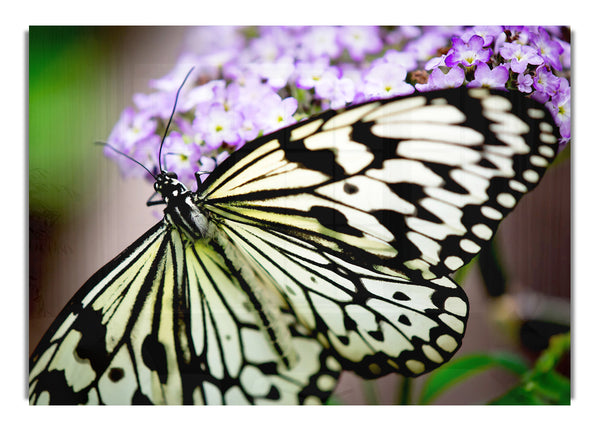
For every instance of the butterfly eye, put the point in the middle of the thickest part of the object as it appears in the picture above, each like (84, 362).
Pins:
(171, 175)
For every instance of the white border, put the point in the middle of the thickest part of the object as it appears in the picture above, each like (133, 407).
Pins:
(585, 212)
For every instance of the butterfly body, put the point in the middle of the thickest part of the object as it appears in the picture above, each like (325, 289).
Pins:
(327, 245)
(181, 211)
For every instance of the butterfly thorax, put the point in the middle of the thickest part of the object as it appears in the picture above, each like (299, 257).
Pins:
(181, 212)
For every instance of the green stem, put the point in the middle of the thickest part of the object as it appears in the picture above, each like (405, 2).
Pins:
(405, 390)
(370, 392)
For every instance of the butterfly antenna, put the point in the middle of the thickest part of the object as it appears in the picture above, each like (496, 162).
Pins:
(123, 154)
(170, 119)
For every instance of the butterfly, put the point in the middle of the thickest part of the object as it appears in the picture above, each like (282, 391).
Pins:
(325, 246)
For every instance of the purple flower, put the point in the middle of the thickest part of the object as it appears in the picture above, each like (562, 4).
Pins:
(338, 91)
(275, 113)
(469, 53)
(545, 82)
(247, 92)
(435, 62)
(564, 88)
(181, 157)
(402, 33)
(208, 164)
(520, 56)
(565, 57)
(549, 49)
(524, 82)
(386, 80)
(427, 45)
(275, 73)
(489, 78)
(263, 49)
(145, 152)
(218, 126)
(135, 136)
(360, 41)
(488, 33)
(309, 73)
(158, 104)
(131, 128)
(439, 80)
(243, 78)
(204, 95)
(405, 59)
(210, 39)
(172, 80)
(320, 42)
(560, 107)
(247, 99)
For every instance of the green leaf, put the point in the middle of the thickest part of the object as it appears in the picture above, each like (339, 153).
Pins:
(554, 387)
(558, 346)
(462, 272)
(518, 396)
(462, 368)
(542, 384)
(548, 388)
(334, 400)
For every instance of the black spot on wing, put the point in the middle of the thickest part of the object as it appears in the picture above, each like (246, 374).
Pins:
(318, 160)
(55, 384)
(333, 219)
(140, 399)
(408, 191)
(397, 226)
(349, 323)
(399, 296)
(377, 335)
(155, 357)
(404, 320)
(485, 163)
(115, 374)
(273, 394)
(267, 368)
(381, 148)
(92, 345)
(350, 188)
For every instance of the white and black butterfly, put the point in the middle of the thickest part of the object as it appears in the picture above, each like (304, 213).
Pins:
(327, 245)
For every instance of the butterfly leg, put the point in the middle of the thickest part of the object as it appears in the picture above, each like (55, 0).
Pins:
(150, 202)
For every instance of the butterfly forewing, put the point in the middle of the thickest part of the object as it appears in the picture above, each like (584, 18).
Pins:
(415, 185)
(408, 188)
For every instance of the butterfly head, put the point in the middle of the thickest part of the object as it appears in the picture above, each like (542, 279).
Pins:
(169, 186)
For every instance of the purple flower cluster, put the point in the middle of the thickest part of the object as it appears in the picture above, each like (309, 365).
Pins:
(249, 82)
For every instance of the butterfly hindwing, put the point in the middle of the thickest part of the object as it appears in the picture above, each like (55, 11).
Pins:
(376, 323)
(165, 323)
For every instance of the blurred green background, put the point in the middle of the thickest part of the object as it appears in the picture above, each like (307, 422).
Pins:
(81, 214)
(70, 87)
